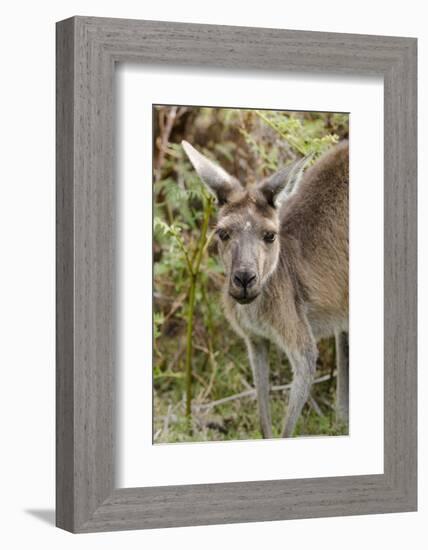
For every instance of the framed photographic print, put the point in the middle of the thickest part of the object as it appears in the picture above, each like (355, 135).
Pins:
(236, 274)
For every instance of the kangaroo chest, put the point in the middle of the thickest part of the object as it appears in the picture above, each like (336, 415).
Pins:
(252, 321)
(279, 324)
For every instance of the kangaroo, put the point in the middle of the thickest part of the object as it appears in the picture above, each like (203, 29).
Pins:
(285, 248)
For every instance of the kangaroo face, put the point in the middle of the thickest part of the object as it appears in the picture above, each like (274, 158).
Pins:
(248, 223)
(248, 244)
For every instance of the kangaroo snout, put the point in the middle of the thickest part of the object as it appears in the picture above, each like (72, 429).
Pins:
(244, 279)
(244, 286)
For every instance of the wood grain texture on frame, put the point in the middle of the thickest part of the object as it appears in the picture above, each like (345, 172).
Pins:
(87, 50)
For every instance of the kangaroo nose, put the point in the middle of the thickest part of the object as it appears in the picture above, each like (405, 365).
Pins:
(244, 279)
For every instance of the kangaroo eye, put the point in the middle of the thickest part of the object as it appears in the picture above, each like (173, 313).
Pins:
(223, 235)
(269, 237)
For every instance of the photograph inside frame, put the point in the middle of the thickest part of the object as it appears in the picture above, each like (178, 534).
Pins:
(251, 270)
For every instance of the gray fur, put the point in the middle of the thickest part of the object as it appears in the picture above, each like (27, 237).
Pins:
(218, 181)
(290, 289)
(258, 349)
(342, 360)
(278, 187)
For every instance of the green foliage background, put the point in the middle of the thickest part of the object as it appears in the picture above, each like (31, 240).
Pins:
(187, 383)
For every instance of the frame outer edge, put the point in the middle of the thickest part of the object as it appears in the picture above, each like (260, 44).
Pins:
(94, 276)
(405, 279)
(65, 274)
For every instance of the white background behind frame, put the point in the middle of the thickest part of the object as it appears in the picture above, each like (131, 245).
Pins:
(140, 463)
(29, 316)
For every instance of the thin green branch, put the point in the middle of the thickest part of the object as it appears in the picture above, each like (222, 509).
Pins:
(189, 348)
(183, 250)
(194, 271)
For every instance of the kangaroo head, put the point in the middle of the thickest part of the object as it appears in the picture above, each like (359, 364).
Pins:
(248, 222)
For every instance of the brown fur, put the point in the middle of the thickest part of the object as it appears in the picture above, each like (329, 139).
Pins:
(312, 271)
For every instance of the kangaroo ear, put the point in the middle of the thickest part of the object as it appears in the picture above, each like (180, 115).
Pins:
(279, 186)
(218, 181)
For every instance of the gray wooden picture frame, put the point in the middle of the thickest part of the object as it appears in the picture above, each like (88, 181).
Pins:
(87, 51)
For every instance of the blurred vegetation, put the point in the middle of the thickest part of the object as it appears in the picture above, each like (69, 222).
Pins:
(198, 359)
